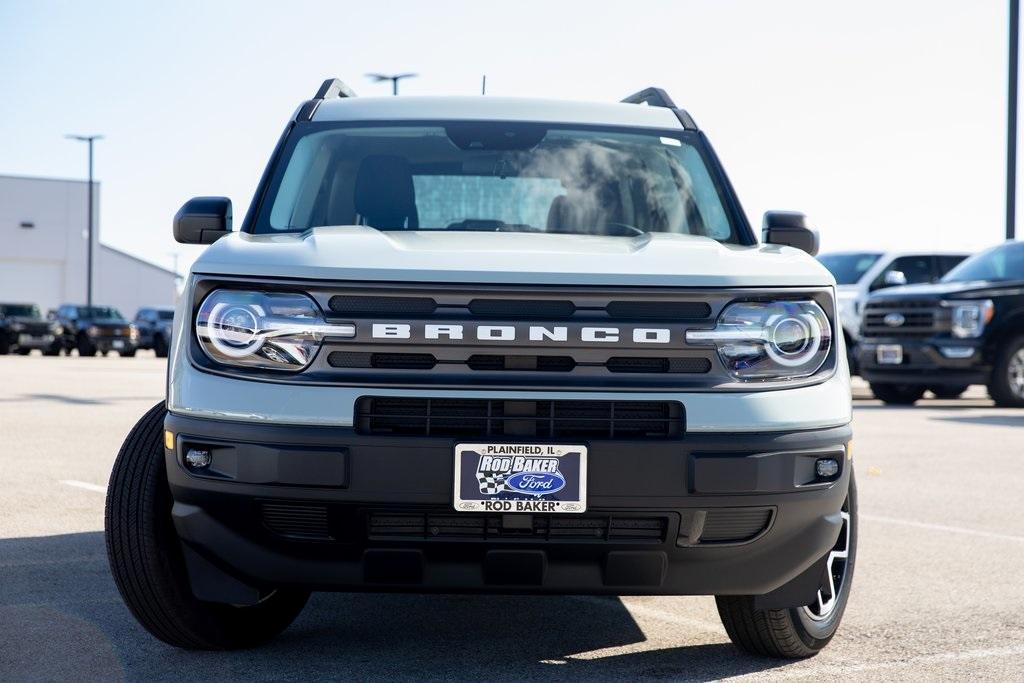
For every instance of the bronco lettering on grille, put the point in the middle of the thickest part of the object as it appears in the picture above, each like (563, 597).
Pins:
(509, 333)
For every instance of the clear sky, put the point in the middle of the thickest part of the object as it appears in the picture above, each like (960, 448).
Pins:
(883, 121)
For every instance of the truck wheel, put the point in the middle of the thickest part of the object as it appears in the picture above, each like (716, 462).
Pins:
(1007, 384)
(798, 632)
(85, 347)
(53, 350)
(160, 346)
(24, 352)
(897, 394)
(5, 344)
(948, 392)
(147, 563)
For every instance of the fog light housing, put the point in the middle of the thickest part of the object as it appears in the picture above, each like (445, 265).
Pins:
(956, 351)
(196, 459)
(826, 468)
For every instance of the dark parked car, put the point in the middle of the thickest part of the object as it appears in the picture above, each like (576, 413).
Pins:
(96, 328)
(966, 329)
(154, 326)
(22, 329)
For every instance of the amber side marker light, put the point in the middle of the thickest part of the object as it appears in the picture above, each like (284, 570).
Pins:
(169, 440)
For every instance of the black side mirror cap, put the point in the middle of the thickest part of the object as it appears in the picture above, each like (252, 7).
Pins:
(203, 220)
(789, 228)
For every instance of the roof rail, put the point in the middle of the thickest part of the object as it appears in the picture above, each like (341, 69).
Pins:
(656, 97)
(330, 89)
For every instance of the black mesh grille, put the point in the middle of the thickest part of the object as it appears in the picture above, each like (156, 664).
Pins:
(653, 365)
(382, 361)
(917, 318)
(450, 526)
(514, 309)
(659, 310)
(734, 525)
(480, 418)
(522, 363)
(382, 306)
(297, 520)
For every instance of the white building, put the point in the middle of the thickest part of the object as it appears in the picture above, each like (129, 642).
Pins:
(43, 251)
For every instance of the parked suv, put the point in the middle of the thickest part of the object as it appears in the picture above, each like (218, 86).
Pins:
(154, 326)
(22, 328)
(493, 345)
(859, 273)
(967, 329)
(89, 329)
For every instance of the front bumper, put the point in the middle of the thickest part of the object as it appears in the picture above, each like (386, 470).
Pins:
(43, 342)
(111, 343)
(327, 509)
(925, 363)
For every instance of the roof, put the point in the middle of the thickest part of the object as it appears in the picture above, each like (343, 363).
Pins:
(487, 108)
(141, 261)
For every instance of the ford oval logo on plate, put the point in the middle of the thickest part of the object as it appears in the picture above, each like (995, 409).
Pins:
(536, 483)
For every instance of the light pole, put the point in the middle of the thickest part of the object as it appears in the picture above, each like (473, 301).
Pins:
(1011, 123)
(394, 78)
(88, 259)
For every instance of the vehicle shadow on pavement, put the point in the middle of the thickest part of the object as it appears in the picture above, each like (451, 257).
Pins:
(61, 617)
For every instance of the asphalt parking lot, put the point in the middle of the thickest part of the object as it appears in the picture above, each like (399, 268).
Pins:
(938, 591)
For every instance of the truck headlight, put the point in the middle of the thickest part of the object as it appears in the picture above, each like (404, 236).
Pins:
(273, 330)
(970, 317)
(93, 331)
(769, 340)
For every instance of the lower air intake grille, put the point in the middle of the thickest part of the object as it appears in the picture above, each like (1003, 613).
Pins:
(734, 525)
(482, 418)
(599, 529)
(297, 520)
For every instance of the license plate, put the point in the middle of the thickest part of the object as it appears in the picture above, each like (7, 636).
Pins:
(117, 344)
(889, 354)
(514, 477)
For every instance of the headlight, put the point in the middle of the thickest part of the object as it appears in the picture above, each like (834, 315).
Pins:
(272, 330)
(93, 331)
(970, 317)
(17, 327)
(55, 328)
(133, 332)
(769, 340)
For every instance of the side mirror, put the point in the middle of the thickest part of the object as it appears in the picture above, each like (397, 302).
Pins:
(894, 278)
(203, 220)
(789, 228)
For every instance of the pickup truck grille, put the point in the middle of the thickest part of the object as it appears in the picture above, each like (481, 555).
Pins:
(482, 418)
(915, 318)
(521, 337)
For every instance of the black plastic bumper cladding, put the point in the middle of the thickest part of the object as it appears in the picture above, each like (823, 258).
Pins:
(330, 509)
(923, 363)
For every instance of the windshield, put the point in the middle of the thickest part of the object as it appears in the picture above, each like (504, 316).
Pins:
(165, 315)
(848, 269)
(19, 311)
(1005, 262)
(490, 176)
(99, 313)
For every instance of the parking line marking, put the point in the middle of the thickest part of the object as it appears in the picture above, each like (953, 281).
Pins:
(840, 670)
(943, 527)
(95, 488)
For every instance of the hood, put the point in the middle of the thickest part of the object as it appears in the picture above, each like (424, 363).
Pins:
(362, 253)
(945, 290)
(104, 322)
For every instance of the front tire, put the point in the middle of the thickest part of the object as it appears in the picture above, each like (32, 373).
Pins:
(24, 352)
(1007, 384)
(149, 569)
(947, 392)
(85, 347)
(897, 394)
(160, 346)
(799, 632)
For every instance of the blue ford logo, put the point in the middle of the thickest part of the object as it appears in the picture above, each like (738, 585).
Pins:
(894, 319)
(536, 483)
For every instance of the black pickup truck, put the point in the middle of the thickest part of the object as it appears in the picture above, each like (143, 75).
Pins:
(22, 329)
(966, 329)
(96, 328)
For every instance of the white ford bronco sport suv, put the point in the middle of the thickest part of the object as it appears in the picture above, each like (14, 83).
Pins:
(493, 345)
